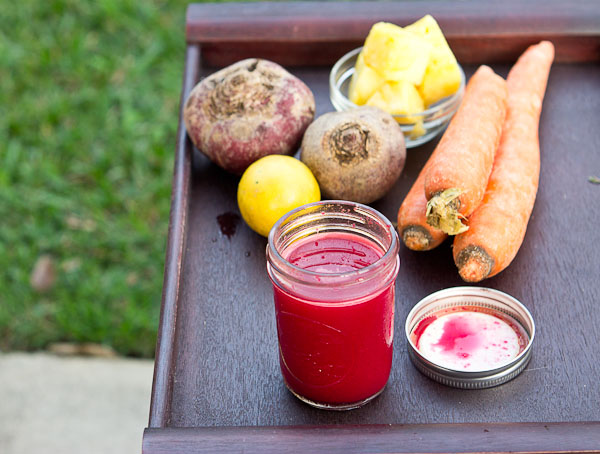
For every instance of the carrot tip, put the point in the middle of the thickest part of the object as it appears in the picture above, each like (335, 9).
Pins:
(442, 212)
(474, 264)
(416, 238)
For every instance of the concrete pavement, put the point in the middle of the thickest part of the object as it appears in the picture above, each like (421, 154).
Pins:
(69, 405)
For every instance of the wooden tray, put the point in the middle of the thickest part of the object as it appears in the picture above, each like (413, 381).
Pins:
(217, 385)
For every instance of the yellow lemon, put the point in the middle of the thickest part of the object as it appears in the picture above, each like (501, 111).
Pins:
(271, 187)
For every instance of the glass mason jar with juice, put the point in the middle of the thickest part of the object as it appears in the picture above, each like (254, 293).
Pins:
(333, 265)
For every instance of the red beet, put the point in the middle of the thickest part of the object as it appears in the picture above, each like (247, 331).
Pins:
(248, 110)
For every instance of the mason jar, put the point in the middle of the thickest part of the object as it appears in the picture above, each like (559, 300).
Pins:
(333, 265)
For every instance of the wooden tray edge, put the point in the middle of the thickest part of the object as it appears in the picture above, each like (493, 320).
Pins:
(160, 402)
(500, 31)
(422, 438)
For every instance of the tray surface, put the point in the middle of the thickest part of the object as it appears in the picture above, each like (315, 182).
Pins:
(227, 370)
(217, 362)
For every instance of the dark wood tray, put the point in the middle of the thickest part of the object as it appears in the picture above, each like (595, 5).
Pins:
(217, 385)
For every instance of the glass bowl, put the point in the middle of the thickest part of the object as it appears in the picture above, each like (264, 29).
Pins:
(433, 119)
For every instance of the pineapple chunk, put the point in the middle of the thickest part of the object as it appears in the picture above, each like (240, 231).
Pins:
(442, 76)
(398, 98)
(365, 81)
(441, 80)
(428, 28)
(418, 129)
(396, 54)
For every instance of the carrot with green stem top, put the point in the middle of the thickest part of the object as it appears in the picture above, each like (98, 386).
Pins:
(498, 225)
(461, 164)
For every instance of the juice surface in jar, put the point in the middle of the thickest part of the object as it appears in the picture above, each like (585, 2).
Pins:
(335, 352)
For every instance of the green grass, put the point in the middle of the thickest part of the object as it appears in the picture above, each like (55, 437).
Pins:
(89, 94)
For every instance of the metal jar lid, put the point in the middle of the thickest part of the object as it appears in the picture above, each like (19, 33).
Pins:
(487, 300)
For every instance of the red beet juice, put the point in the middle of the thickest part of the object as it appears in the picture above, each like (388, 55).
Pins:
(335, 347)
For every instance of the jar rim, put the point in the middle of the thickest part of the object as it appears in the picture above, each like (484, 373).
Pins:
(389, 251)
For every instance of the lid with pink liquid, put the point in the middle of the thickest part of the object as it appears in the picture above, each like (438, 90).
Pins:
(470, 337)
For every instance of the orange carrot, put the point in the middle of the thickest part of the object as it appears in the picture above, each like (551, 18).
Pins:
(412, 222)
(462, 162)
(497, 227)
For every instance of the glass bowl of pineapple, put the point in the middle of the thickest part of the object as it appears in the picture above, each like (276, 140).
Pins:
(420, 116)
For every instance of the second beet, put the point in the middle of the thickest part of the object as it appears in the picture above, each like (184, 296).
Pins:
(355, 155)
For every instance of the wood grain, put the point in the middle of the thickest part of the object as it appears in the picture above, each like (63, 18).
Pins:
(389, 439)
(301, 33)
(217, 369)
(163, 380)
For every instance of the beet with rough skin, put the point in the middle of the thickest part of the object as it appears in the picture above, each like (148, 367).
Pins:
(355, 155)
(248, 110)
